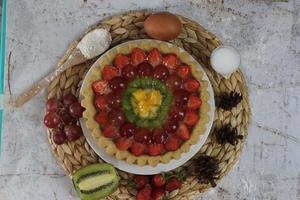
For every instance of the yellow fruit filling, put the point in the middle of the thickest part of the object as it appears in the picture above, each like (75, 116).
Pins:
(146, 102)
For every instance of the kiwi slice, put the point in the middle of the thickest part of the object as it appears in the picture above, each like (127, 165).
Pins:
(95, 181)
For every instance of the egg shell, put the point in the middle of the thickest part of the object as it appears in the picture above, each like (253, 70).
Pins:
(163, 26)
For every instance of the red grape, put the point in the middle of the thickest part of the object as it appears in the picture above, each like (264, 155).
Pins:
(68, 99)
(128, 129)
(52, 120)
(73, 132)
(159, 136)
(59, 137)
(161, 72)
(144, 69)
(53, 105)
(76, 110)
(67, 118)
(177, 113)
(116, 116)
(143, 136)
(117, 83)
(181, 97)
(114, 99)
(171, 126)
(129, 72)
(174, 82)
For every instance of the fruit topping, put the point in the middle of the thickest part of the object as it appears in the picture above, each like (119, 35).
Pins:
(52, 120)
(127, 129)
(129, 72)
(137, 56)
(100, 102)
(191, 85)
(138, 149)
(183, 71)
(73, 132)
(191, 118)
(154, 57)
(194, 102)
(170, 61)
(110, 131)
(159, 136)
(100, 87)
(144, 69)
(172, 143)
(114, 99)
(109, 72)
(116, 116)
(124, 143)
(177, 113)
(161, 72)
(143, 135)
(174, 82)
(181, 97)
(76, 110)
(101, 118)
(117, 83)
(155, 149)
(183, 132)
(170, 126)
(121, 60)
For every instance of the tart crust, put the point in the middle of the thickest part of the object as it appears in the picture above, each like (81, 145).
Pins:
(90, 112)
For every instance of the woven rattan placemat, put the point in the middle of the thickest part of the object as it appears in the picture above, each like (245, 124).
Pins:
(199, 43)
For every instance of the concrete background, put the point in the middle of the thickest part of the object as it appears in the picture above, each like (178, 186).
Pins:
(265, 32)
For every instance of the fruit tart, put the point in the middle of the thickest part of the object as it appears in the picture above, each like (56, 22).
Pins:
(146, 102)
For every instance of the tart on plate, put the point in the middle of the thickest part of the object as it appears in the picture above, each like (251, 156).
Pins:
(146, 103)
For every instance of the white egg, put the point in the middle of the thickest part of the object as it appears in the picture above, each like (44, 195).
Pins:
(225, 60)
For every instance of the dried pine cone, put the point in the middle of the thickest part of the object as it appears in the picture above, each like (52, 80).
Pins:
(229, 100)
(227, 134)
(207, 169)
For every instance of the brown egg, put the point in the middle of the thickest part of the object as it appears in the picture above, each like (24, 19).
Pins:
(162, 26)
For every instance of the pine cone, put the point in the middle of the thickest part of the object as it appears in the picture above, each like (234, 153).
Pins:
(229, 100)
(227, 134)
(207, 169)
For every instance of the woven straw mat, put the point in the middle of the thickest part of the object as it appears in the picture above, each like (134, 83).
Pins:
(199, 43)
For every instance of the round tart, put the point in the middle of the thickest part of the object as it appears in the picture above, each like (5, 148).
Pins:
(146, 103)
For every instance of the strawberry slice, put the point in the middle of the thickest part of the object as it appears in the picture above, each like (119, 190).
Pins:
(191, 118)
(100, 102)
(158, 194)
(183, 132)
(101, 118)
(194, 102)
(144, 194)
(170, 61)
(154, 57)
(124, 143)
(121, 60)
(191, 85)
(109, 72)
(110, 131)
(100, 87)
(137, 56)
(173, 143)
(173, 184)
(138, 148)
(155, 149)
(183, 71)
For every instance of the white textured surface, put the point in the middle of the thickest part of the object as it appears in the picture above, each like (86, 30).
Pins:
(265, 32)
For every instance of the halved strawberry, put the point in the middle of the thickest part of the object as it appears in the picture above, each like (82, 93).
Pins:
(101, 118)
(100, 102)
(155, 149)
(183, 71)
(170, 61)
(144, 194)
(154, 57)
(173, 143)
(124, 143)
(138, 148)
(121, 60)
(194, 102)
(183, 132)
(191, 85)
(191, 118)
(137, 56)
(158, 194)
(100, 87)
(110, 131)
(173, 184)
(109, 72)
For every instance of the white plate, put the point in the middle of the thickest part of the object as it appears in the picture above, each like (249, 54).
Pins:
(148, 170)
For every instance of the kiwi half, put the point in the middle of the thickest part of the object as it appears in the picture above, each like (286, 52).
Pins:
(95, 181)
(147, 83)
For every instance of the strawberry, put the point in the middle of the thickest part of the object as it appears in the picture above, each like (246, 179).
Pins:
(109, 72)
(158, 194)
(121, 60)
(140, 181)
(170, 61)
(154, 57)
(158, 180)
(155, 149)
(101, 118)
(191, 85)
(124, 143)
(194, 102)
(137, 56)
(100, 102)
(144, 194)
(183, 71)
(138, 148)
(191, 118)
(173, 184)
(100, 87)
(173, 143)
(183, 132)
(110, 131)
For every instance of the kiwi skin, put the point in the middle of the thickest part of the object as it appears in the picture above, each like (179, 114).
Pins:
(96, 170)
